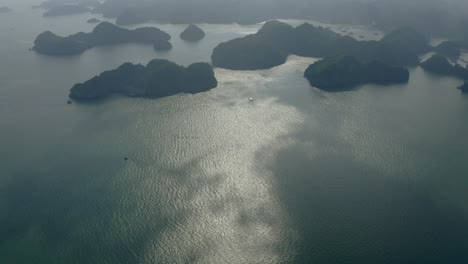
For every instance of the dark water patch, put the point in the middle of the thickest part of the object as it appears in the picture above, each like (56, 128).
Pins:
(347, 212)
(79, 212)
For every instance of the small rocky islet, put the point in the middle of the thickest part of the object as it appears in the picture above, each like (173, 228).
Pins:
(192, 33)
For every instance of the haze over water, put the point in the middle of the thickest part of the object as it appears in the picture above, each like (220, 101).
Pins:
(376, 175)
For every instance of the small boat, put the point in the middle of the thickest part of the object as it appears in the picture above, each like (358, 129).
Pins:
(251, 99)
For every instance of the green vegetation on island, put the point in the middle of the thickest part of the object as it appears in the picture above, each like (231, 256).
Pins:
(345, 72)
(103, 34)
(192, 33)
(247, 54)
(160, 78)
(271, 45)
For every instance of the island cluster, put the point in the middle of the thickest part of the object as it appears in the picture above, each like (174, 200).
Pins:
(346, 62)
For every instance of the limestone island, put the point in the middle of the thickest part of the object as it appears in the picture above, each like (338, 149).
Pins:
(271, 45)
(66, 9)
(162, 45)
(159, 78)
(93, 21)
(4, 9)
(464, 87)
(346, 72)
(440, 65)
(450, 49)
(247, 54)
(192, 33)
(104, 33)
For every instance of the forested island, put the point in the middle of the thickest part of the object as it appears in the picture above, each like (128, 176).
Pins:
(440, 65)
(271, 45)
(192, 33)
(346, 72)
(104, 33)
(159, 78)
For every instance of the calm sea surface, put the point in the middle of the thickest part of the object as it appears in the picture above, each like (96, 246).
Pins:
(376, 175)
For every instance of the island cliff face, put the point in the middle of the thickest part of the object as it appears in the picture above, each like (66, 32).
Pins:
(277, 40)
(160, 78)
(192, 33)
(345, 72)
(440, 65)
(103, 34)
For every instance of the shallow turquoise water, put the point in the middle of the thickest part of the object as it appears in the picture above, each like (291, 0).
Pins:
(376, 175)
